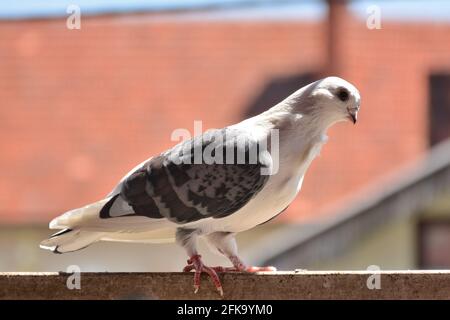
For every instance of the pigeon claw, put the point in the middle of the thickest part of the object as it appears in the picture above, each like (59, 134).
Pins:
(249, 269)
(195, 263)
(260, 269)
(239, 266)
(220, 289)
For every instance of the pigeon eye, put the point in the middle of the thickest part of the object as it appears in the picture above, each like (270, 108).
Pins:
(343, 94)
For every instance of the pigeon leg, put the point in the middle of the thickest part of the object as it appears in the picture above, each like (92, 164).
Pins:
(225, 242)
(195, 263)
(187, 238)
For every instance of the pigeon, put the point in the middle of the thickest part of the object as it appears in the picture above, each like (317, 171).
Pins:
(216, 184)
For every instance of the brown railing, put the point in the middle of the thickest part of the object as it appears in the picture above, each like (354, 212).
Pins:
(279, 285)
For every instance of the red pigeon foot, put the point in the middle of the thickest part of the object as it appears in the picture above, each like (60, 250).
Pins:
(240, 266)
(195, 263)
(250, 269)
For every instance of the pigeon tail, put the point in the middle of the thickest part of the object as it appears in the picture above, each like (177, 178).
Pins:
(69, 240)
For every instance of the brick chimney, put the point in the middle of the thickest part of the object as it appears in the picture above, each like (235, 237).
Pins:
(335, 31)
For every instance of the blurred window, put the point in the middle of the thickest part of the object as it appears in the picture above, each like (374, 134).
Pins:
(434, 244)
(439, 126)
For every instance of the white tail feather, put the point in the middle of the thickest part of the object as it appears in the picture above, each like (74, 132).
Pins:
(78, 217)
(70, 240)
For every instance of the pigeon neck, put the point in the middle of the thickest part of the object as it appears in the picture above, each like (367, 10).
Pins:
(311, 121)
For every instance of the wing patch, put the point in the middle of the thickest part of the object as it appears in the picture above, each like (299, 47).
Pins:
(185, 191)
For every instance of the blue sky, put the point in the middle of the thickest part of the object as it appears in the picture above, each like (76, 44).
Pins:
(434, 10)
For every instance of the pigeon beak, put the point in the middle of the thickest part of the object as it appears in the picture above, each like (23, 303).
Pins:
(353, 115)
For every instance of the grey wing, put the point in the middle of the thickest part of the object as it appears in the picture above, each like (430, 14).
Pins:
(180, 186)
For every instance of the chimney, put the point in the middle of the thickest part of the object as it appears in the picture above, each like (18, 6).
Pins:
(335, 31)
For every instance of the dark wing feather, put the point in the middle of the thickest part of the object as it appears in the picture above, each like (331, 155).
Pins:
(179, 186)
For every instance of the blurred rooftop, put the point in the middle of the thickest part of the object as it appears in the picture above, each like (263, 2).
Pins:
(82, 107)
(79, 108)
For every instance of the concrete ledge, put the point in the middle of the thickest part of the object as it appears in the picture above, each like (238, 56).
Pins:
(270, 286)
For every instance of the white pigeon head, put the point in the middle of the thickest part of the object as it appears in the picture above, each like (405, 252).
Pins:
(329, 100)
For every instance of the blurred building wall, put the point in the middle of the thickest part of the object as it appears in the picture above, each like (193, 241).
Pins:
(400, 244)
